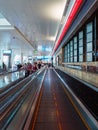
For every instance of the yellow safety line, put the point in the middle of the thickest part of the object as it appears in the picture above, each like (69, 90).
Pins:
(57, 112)
(55, 104)
(54, 97)
(79, 113)
(37, 108)
(60, 127)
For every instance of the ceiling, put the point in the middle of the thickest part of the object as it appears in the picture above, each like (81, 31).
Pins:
(36, 22)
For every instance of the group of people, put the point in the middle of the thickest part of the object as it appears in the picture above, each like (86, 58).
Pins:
(29, 68)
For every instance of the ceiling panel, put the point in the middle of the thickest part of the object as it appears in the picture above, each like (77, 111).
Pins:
(36, 20)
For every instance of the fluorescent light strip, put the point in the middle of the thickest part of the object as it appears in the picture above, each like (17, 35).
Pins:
(4, 24)
(6, 28)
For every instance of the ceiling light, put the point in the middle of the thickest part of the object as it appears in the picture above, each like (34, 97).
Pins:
(6, 27)
(3, 20)
(4, 24)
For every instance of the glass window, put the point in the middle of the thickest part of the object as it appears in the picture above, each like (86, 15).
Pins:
(81, 46)
(75, 39)
(65, 60)
(80, 42)
(71, 48)
(65, 49)
(68, 51)
(89, 47)
(71, 59)
(75, 49)
(81, 35)
(68, 59)
(89, 37)
(81, 58)
(75, 58)
(75, 46)
(71, 51)
(66, 54)
(80, 50)
(89, 27)
(89, 41)
(89, 56)
(75, 52)
(68, 48)
(71, 54)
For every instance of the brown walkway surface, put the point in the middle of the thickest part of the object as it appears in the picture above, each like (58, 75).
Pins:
(55, 110)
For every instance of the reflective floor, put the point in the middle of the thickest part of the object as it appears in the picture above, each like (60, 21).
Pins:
(10, 77)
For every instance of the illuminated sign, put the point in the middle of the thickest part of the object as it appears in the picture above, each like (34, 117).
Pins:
(35, 51)
(43, 57)
(29, 57)
(7, 51)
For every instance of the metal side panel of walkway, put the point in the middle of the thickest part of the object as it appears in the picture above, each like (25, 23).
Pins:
(54, 110)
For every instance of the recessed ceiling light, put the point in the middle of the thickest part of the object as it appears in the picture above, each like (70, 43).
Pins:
(4, 24)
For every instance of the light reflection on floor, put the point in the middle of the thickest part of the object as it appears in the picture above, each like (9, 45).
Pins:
(7, 79)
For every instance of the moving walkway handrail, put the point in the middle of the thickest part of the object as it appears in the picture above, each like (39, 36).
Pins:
(5, 87)
(16, 84)
(87, 116)
(31, 112)
(9, 106)
(17, 100)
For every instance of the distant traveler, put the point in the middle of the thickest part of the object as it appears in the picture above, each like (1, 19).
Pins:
(34, 67)
(4, 66)
(39, 65)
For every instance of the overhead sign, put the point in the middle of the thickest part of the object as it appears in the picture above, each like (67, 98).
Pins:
(7, 51)
(35, 51)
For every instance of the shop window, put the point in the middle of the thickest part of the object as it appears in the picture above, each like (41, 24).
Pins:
(71, 51)
(66, 54)
(89, 41)
(81, 46)
(75, 49)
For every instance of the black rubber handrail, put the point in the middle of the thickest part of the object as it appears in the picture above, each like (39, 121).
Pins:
(13, 104)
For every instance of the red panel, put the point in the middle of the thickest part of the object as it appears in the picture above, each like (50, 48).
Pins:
(75, 8)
